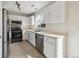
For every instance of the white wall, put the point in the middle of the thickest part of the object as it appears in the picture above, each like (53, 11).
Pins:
(71, 27)
(25, 23)
(73, 21)
(0, 29)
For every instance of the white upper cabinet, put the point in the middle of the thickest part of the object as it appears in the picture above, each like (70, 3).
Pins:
(45, 15)
(54, 13)
(38, 19)
(57, 12)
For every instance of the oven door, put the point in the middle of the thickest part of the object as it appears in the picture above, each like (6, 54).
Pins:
(16, 36)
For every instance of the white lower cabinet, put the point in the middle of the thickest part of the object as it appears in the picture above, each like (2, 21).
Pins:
(26, 35)
(49, 49)
(52, 46)
(32, 38)
(29, 37)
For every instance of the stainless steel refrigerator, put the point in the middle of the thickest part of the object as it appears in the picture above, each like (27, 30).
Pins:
(5, 34)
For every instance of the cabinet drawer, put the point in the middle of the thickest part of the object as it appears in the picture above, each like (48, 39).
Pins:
(50, 40)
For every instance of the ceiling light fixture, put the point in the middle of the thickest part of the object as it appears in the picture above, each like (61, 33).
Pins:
(18, 5)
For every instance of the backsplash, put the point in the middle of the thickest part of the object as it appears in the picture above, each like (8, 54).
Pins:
(58, 28)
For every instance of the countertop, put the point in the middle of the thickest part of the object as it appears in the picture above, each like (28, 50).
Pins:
(50, 34)
(46, 33)
(31, 30)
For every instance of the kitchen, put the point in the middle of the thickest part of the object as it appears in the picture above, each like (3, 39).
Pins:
(40, 25)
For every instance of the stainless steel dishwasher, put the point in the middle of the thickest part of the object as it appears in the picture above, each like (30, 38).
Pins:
(39, 42)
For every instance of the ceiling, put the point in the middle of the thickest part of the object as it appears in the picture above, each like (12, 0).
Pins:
(26, 7)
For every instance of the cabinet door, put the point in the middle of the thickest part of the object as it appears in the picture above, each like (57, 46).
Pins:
(29, 36)
(49, 50)
(25, 36)
(57, 12)
(33, 38)
(46, 15)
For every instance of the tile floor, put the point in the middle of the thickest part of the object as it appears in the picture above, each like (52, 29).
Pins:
(23, 50)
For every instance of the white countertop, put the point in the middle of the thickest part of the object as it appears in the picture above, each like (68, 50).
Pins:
(46, 33)
(31, 30)
(49, 34)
